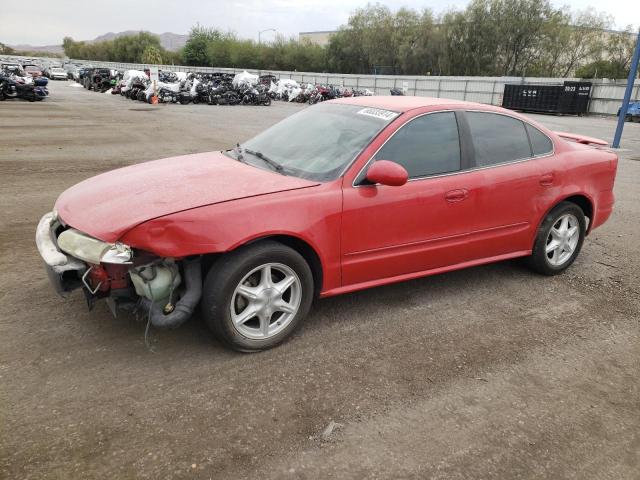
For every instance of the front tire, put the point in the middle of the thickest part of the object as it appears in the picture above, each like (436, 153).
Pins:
(255, 297)
(559, 240)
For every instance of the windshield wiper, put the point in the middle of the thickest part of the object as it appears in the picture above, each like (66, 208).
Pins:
(276, 166)
(238, 151)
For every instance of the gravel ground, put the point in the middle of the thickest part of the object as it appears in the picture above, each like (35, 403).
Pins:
(491, 372)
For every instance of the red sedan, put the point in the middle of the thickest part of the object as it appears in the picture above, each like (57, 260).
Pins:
(345, 195)
(33, 70)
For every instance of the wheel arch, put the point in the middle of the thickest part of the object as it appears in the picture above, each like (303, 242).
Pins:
(580, 199)
(585, 203)
(301, 246)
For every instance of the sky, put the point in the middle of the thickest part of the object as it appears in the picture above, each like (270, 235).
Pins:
(46, 22)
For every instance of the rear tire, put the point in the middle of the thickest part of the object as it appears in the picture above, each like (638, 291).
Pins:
(556, 247)
(237, 285)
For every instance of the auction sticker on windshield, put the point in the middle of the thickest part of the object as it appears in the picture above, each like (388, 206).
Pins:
(378, 113)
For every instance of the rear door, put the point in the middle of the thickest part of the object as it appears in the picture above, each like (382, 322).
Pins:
(510, 183)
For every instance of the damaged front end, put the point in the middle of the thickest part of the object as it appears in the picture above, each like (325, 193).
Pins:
(166, 289)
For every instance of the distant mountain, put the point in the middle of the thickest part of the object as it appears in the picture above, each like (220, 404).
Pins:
(45, 48)
(169, 41)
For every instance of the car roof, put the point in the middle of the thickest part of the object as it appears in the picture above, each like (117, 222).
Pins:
(399, 103)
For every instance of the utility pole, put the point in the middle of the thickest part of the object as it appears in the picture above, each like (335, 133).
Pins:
(263, 31)
(633, 73)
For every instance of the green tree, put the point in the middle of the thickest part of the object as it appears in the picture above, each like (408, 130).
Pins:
(602, 69)
(6, 49)
(584, 40)
(128, 48)
(152, 55)
(618, 51)
(195, 50)
(218, 50)
(619, 48)
(375, 37)
(488, 37)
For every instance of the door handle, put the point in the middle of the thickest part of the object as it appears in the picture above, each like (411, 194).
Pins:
(456, 195)
(546, 179)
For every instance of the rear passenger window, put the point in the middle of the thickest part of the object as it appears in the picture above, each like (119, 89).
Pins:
(427, 145)
(497, 138)
(540, 143)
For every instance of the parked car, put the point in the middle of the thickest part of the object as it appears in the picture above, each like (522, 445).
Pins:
(12, 68)
(55, 73)
(345, 195)
(633, 112)
(98, 79)
(71, 70)
(33, 70)
(82, 73)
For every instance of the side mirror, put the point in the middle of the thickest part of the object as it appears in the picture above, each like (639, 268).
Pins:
(386, 172)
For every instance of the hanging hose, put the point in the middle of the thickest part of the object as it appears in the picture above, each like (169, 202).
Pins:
(185, 306)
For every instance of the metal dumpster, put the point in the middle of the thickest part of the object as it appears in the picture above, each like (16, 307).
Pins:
(570, 97)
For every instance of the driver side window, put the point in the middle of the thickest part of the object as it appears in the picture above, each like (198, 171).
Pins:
(427, 145)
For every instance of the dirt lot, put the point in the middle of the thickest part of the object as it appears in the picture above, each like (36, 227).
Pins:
(491, 372)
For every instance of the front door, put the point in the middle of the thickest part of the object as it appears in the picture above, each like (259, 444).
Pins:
(422, 225)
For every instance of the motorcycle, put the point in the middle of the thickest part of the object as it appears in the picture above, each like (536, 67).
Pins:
(321, 93)
(166, 95)
(223, 95)
(13, 87)
(138, 86)
(41, 82)
(255, 96)
(202, 93)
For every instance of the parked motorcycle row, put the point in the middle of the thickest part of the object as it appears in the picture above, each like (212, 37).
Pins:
(179, 87)
(290, 91)
(16, 82)
(208, 88)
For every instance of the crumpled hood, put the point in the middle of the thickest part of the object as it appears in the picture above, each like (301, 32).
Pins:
(108, 205)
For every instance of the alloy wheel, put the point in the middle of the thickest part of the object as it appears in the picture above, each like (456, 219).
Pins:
(562, 239)
(265, 301)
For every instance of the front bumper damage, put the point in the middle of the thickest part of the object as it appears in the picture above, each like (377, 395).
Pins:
(108, 270)
(64, 272)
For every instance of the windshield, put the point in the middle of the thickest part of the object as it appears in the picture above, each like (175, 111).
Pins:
(317, 143)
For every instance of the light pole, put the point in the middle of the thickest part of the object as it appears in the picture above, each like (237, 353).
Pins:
(263, 31)
(633, 73)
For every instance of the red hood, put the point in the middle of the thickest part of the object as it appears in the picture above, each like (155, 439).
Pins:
(108, 205)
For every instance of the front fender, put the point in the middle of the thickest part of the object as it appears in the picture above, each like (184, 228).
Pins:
(311, 215)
